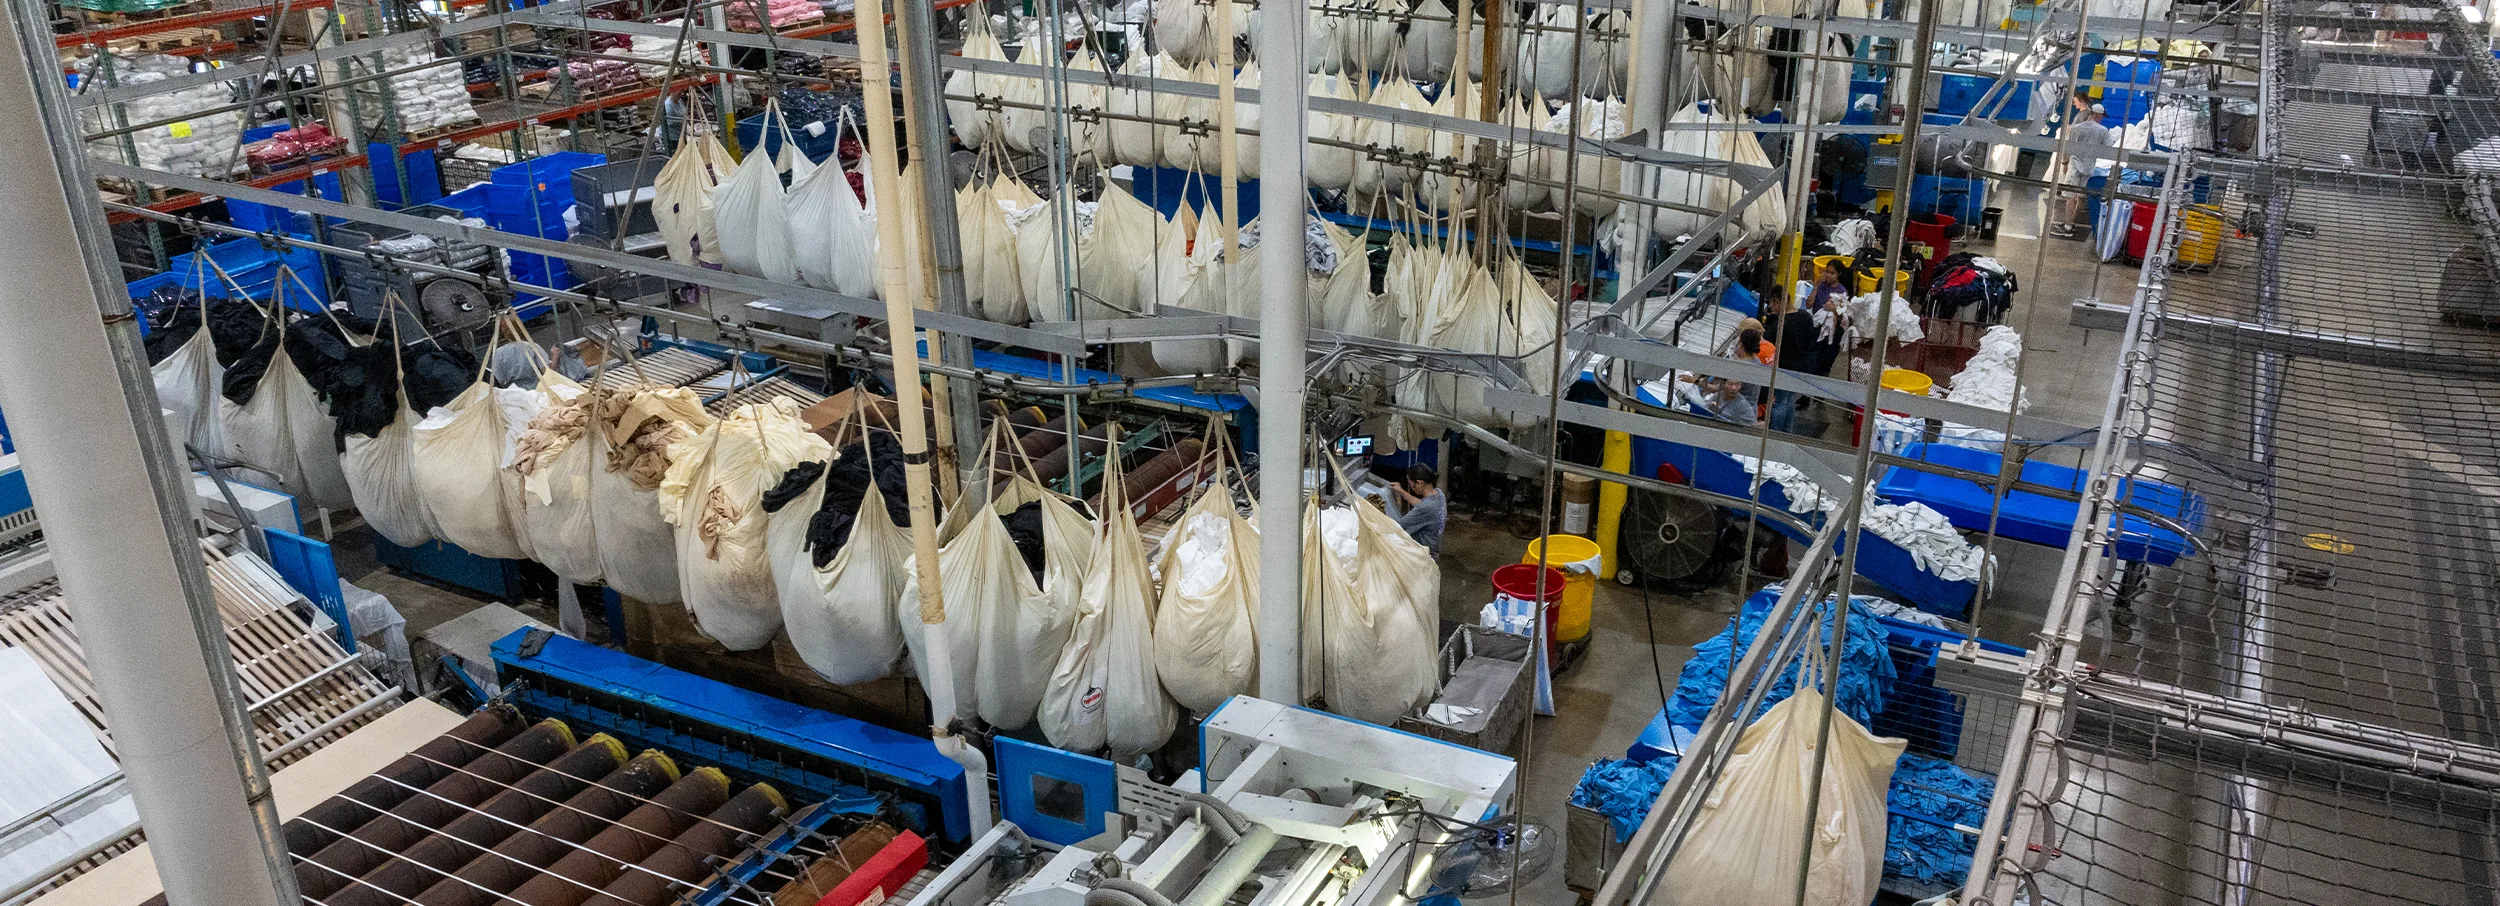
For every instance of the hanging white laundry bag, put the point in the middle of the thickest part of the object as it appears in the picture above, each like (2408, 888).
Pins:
(1206, 645)
(1019, 648)
(713, 496)
(681, 196)
(1745, 846)
(638, 426)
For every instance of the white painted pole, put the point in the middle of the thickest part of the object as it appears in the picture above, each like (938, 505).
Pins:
(101, 467)
(1284, 101)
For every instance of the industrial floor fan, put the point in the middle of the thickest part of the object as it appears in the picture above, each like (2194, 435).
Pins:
(1670, 542)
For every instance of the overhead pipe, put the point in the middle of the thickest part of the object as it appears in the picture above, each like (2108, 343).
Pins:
(900, 315)
(113, 498)
(1283, 350)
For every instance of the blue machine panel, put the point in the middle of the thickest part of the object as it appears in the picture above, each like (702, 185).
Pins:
(826, 755)
(1056, 796)
(307, 565)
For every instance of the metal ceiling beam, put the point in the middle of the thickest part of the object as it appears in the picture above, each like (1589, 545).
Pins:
(2286, 340)
(657, 267)
(2027, 428)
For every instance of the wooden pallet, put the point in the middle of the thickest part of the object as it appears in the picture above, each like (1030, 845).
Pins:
(303, 689)
(133, 17)
(168, 41)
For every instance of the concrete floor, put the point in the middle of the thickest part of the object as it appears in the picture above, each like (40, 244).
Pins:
(1638, 642)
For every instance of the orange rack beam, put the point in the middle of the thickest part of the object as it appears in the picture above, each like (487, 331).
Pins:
(194, 20)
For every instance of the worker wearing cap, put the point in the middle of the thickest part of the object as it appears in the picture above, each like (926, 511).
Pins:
(2087, 134)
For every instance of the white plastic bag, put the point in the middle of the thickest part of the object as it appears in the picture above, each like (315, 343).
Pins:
(1431, 42)
(713, 496)
(833, 238)
(1018, 649)
(1744, 847)
(1025, 126)
(984, 579)
(988, 235)
(1206, 634)
(1185, 29)
(460, 450)
(1329, 166)
(1367, 617)
(555, 458)
(1246, 120)
(752, 218)
(841, 618)
(1108, 672)
(1135, 142)
(187, 383)
(381, 475)
(975, 125)
(637, 548)
(681, 204)
(1193, 147)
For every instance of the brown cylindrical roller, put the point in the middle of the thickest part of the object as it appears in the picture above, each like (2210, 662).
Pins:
(687, 860)
(337, 866)
(1151, 474)
(342, 814)
(519, 857)
(426, 861)
(1038, 441)
(584, 871)
(1054, 465)
(1027, 417)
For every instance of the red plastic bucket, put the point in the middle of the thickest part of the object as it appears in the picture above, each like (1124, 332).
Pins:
(1518, 580)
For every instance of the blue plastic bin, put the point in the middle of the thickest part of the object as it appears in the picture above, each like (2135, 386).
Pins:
(401, 180)
(2041, 519)
(1887, 564)
(752, 134)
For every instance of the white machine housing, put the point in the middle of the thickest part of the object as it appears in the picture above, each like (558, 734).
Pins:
(1346, 801)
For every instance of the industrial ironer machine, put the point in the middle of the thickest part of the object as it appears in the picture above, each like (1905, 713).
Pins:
(1288, 807)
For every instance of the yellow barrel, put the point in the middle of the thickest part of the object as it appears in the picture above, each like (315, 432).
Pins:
(1907, 381)
(2200, 237)
(1871, 279)
(1580, 560)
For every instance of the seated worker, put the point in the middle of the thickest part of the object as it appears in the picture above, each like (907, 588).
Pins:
(1420, 507)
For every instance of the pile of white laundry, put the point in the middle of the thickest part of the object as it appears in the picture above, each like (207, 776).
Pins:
(1938, 549)
(1987, 381)
(1804, 496)
(206, 145)
(1860, 314)
(425, 96)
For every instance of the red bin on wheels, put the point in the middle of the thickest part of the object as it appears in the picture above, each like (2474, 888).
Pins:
(1518, 584)
(2140, 230)
(1929, 230)
(1518, 581)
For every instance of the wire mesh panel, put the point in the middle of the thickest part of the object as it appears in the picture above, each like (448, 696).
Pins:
(2287, 714)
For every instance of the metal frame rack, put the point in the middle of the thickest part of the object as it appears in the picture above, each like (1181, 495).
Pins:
(1613, 329)
(2305, 715)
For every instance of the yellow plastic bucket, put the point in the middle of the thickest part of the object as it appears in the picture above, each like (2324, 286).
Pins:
(1835, 262)
(1580, 560)
(1871, 279)
(1907, 381)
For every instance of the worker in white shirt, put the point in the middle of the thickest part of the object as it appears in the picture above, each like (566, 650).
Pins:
(2083, 137)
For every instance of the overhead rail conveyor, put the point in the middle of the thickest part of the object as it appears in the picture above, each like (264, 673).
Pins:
(2305, 714)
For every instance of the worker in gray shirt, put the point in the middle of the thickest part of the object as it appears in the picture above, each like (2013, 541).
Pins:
(1420, 507)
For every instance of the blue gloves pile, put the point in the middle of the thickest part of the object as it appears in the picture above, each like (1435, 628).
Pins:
(1927, 852)
(1623, 791)
(1865, 670)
